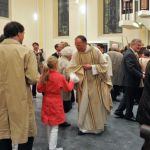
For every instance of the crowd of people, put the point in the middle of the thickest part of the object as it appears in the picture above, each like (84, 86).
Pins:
(97, 76)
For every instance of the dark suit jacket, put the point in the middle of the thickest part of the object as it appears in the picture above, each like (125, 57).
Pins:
(55, 54)
(132, 73)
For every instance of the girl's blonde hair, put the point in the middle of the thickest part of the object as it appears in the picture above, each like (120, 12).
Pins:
(51, 64)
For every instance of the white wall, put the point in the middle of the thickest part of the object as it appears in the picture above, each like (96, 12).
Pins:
(74, 25)
(22, 11)
(3, 21)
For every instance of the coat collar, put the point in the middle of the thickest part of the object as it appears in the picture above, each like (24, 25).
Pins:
(10, 41)
(135, 53)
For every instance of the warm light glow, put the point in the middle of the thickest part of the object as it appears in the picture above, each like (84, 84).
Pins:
(83, 9)
(140, 23)
(77, 1)
(35, 16)
(135, 24)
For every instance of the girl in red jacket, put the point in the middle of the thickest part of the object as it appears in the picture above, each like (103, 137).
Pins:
(52, 83)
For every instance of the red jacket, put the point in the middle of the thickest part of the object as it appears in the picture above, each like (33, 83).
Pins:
(52, 105)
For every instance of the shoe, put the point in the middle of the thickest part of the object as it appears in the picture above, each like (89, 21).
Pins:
(65, 124)
(81, 133)
(119, 115)
(131, 119)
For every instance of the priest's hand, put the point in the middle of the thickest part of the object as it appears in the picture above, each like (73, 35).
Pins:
(87, 67)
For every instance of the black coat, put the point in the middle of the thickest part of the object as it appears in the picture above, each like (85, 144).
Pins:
(143, 113)
(56, 55)
(131, 68)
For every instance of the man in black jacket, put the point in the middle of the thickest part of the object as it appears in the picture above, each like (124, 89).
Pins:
(132, 76)
(58, 48)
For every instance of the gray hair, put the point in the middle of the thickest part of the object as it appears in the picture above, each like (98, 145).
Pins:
(134, 41)
(67, 51)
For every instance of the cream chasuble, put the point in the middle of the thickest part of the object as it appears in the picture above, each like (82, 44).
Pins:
(93, 90)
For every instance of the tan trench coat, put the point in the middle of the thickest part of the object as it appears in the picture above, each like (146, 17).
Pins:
(17, 67)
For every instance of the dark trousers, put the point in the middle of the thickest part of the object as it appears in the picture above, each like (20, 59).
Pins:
(72, 96)
(67, 106)
(127, 102)
(138, 95)
(6, 144)
(146, 145)
(34, 90)
(115, 91)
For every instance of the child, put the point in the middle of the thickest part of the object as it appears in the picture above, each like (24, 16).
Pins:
(52, 83)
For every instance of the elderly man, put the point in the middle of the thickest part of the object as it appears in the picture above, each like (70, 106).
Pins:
(63, 62)
(18, 68)
(93, 89)
(132, 76)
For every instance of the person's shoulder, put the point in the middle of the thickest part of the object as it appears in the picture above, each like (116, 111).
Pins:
(128, 52)
(58, 76)
(96, 50)
(55, 55)
(27, 49)
(106, 55)
(118, 54)
(57, 73)
(75, 54)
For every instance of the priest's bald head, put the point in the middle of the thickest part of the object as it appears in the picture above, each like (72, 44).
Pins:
(81, 43)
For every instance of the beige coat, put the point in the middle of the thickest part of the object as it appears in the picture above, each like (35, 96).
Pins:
(17, 67)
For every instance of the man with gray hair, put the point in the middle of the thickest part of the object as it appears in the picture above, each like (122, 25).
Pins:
(132, 76)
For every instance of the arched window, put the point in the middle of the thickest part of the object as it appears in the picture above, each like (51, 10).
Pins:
(111, 16)
(63, 17)
(4, 8)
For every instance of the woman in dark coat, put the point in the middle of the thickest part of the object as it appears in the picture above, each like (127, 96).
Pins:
(143, 113)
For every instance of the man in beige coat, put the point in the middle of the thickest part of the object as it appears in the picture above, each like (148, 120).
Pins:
(18, 69)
